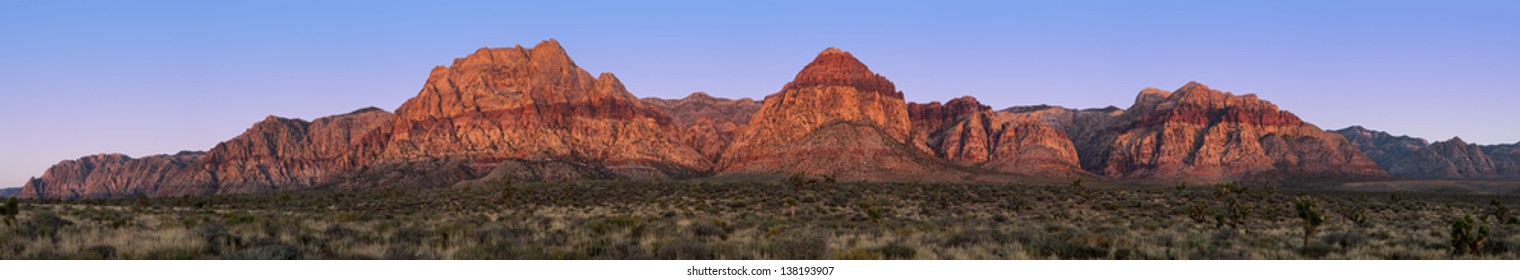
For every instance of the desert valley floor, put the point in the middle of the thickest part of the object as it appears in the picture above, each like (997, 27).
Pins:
(793, 218)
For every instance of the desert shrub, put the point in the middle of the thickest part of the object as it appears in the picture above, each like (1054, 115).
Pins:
(1181, 187)
(796, 246)
(1233, 215)
(1498, 213)
(410, 235)
(708, 230)
(1199, 212)
(1345, 240)
(1076, 245)
(977, 238)
(98, 252)
(604, 225)
(1226, 189)
(216, 237)
(897, 251)
(1355, 213)
(1308, 211)
(43, 224)
(872, 210)
(684, 249)
(604, 249)
(401, 251)
(11, 209)
(274, 251)
(1467, 236)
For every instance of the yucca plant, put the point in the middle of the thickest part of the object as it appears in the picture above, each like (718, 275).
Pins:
(1308, 210)
(1467, 236)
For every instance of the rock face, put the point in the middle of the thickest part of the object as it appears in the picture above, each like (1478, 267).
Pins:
(531, 114)
(110, 175)
(1201, 134)
(970, 134)
(1451, 159)
(535, 104)
(527, 113)
(275, 154)
(707, 124)
(835, 118)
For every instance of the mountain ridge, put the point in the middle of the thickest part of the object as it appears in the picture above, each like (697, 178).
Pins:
(532, 114)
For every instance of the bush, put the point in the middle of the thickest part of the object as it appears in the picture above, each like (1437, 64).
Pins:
(1498, 213)
(797, 246)
(1234, 215)
(897, 251)
(1199, 212)
(1467, 236)
(11, 209)
(43, 224)
(685, 249)
(277, 251)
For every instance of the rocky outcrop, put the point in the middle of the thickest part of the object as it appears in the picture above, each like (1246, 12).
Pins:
(707, 124)
(867, 135)
(533, 104)
(1411, 157)
(275, 154)
(970, 134)
(1201, 134)
(110, 175)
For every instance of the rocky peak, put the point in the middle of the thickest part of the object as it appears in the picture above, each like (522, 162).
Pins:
(834, 88)
(493, 79)
(834, 67)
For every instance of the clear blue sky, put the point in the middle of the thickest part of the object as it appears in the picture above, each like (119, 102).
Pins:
(151, 77)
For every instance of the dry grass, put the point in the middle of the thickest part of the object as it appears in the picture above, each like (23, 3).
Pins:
(735, 220)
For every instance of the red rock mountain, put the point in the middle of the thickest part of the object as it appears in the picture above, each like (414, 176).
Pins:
(970, 134)
(275, 154)
(835, 118)
(533, 114)
(1201, 134)
(707, 124)
(533, 105)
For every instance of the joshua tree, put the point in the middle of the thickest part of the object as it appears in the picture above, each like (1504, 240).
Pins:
(1308, 210)
(873, 211)
(792, 201)
(1499, 212)
(1234, 215)
(1467, 236)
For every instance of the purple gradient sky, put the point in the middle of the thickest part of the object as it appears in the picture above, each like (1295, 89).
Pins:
(151, 77)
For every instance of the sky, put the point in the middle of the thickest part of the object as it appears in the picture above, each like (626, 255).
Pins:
(154, 77)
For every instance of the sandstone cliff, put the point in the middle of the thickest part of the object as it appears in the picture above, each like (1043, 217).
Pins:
(1201, 134)
(835, 118)
(534, 104)
(707, 124)
(968, 133)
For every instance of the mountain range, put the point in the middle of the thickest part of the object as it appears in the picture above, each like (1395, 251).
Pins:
(531, 114)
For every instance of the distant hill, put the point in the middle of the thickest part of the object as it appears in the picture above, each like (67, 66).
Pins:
(8, 192)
